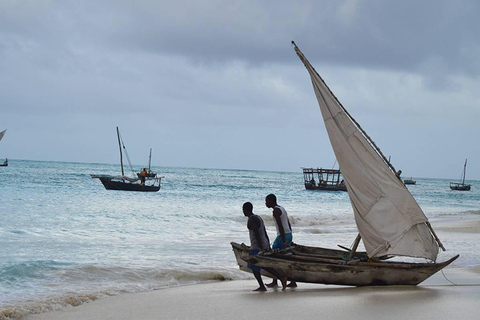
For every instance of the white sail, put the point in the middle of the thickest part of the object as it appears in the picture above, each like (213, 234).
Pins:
(388, 218)
(2, 134)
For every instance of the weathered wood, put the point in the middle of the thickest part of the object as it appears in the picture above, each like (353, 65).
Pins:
(312, 269)
(355, 246)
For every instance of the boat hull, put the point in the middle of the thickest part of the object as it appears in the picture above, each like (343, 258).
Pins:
(310, 186)
(111, 184)
(340, 272)
(460, 187)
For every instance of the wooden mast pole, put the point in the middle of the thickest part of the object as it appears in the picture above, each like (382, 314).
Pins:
(355, 246)
(367, 137)
(120, 147)
(435, 236)
(150, 159)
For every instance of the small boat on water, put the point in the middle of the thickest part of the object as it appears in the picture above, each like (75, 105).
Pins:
(145, 181)
(389, 220)
(461, 186)
(4, 163)
(323, 179)
(409, 181)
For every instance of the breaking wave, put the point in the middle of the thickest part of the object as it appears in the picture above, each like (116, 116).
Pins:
(129, 281)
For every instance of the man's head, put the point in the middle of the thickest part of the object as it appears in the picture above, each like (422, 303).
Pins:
(247, 209)
(271, 200)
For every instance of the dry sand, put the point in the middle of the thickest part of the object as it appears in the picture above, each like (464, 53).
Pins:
(467, 224)
(436, 298)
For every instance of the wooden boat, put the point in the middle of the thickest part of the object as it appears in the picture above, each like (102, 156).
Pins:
(5, 163)
(326, 179)
(150, 182)
(389, 220)
(461, 186)
(409, 181)
(241, 252)
(353, 272)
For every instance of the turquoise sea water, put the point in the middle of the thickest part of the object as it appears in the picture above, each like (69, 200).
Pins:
(65, 239)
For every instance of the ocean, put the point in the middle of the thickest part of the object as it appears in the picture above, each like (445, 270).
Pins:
(65, 240)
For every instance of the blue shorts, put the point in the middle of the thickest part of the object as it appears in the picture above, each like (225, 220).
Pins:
(278, 243)
(253, 252)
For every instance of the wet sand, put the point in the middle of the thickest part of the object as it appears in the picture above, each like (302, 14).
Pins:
(436, 298)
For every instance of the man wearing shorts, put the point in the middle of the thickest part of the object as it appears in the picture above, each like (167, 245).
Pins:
(284, 230)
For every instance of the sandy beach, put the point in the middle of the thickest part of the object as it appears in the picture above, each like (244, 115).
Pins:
(436, 298)
(451, 294)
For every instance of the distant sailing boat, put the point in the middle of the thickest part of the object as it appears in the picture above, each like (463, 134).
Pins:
(146, 181)
(148, 172)
(389, 220)
(5, 163)
(461, 186)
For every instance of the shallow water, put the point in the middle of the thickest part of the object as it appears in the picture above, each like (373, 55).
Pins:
(65, 239)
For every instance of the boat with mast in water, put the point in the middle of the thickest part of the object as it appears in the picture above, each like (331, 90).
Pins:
(4, 163)
(145, 181)
(461, 186)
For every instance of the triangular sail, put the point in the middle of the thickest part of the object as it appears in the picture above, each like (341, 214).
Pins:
(2, 134)
(388, 218)
(464, 171)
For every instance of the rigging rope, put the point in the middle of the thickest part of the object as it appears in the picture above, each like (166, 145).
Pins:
(448, 279)
(126, 154)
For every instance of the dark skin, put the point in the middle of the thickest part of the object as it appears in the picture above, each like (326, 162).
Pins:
(272, 203)
(253, 224)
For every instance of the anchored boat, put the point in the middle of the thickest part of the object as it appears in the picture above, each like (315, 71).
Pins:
(461, 186)
(145, 181)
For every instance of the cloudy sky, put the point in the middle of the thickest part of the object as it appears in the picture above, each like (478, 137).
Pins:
(217, 84)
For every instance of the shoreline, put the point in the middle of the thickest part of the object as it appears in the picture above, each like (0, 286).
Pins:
(435, 298)
(452, 292)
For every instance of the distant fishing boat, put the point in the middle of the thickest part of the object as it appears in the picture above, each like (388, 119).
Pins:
(323, 179)
(409, 181)
(389, 220)
(461, 186)
(5, 163)
(145, 181)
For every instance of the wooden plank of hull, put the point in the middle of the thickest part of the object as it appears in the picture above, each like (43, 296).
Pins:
(110, 184)
(308, 251)
(351, 273)
(241, 252)
(305, 252)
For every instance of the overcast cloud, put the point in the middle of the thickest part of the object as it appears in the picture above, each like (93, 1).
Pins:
(216, 84)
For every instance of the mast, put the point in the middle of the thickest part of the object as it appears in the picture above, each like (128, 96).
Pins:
(364, 133)
(120, 147)
(464, 171)
(150, 159)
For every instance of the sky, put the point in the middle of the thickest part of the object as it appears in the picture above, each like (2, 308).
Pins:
(217, 84)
